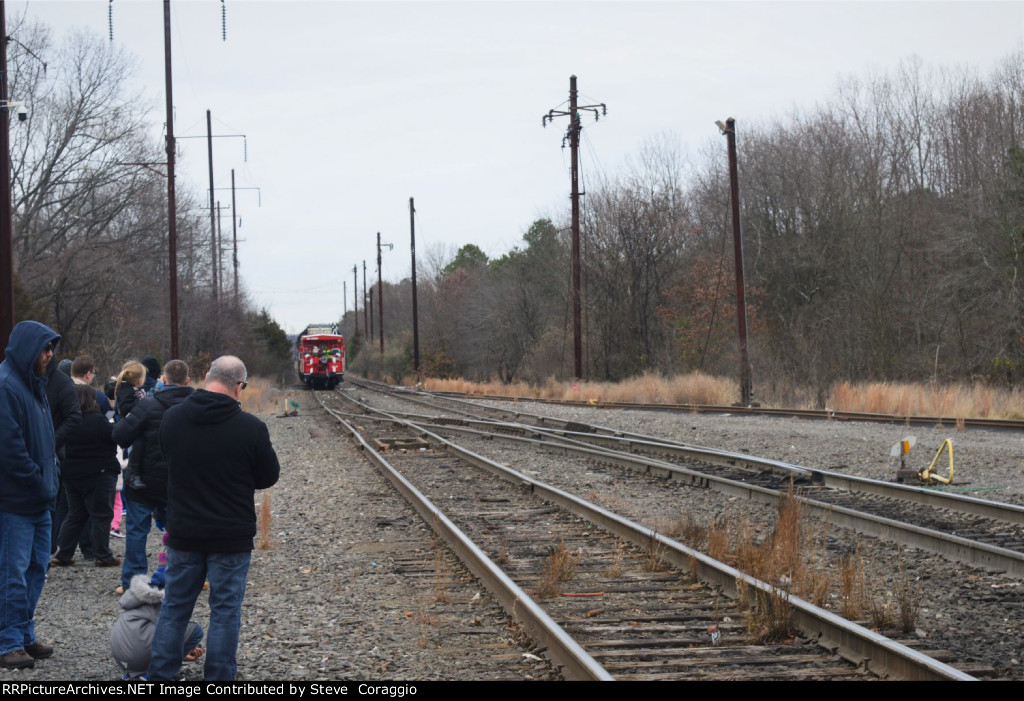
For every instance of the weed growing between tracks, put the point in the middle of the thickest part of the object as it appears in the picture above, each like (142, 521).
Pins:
(793, 556)
(907, 596)
(559, 567)
(851, 586)
(615, 570)
(655, 556)
(442, 576)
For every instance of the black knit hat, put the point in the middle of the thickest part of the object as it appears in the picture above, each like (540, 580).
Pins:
(152, 366)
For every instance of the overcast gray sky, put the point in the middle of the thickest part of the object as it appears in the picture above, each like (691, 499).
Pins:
(351, 108)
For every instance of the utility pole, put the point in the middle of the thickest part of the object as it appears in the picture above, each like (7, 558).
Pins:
(220, 248)
(572, 134)
(415, 313)
(371, 314)
(746, 384)
(6, 218)
(355, 301)
(234, 234)
(172, 226)
(366, 322)
(213, 221)
(344, 299)
(380, 292)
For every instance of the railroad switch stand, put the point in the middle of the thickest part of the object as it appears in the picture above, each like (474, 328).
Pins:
(927, 475)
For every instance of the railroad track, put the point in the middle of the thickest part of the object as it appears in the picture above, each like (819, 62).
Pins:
(976, 531)
(648, 623)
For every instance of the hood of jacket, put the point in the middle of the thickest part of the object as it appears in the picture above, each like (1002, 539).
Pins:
(26, 343)
(141, 593)
(172, 395)
(203, 407)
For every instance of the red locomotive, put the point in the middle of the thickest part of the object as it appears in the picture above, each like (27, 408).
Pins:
(321, 356)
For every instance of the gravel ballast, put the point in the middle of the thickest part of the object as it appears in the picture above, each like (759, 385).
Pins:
(349, 589)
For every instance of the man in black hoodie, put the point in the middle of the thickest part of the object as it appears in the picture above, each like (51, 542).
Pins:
(217, 456)
(28, 487)
(141, 429)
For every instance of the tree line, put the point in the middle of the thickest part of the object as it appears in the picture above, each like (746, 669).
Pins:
(883, 234)
(89, 201)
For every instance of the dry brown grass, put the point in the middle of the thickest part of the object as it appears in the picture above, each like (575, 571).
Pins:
(769, 613)
(264, 522)
(560, 566)
(852, 595)
(718, 540)
(655, 561)
(262, 396)
(615, 569)
(696, 388)
(908, 598)
(442, 576)
(979, 400)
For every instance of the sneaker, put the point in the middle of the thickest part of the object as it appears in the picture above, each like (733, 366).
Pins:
(18, 659)
(116, 534)
(39, 651)
(109, 562)
(57, 562)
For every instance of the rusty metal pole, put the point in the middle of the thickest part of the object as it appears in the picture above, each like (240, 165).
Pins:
(746, 388)
(234, 234)
(380, 301)
(574, 146)
(415, 312)
(213, 220)
(6, 216)
(172, 227)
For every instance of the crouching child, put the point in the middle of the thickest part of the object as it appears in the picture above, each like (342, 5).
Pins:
(131, 638)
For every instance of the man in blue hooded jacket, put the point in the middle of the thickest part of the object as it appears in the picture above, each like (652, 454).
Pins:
(28, 487)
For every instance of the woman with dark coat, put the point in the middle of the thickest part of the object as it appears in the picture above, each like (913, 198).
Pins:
(89, 470)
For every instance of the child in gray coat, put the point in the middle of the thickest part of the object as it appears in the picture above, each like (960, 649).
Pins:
(131, 638)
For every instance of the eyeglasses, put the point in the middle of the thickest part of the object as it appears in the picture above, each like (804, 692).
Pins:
(243, 383)
(48, 348)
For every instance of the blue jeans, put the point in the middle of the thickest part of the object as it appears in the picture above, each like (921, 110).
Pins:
(24, 558)
(186, 572)
(138, 519)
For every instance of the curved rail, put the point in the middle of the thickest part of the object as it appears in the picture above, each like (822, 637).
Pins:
(636, 442)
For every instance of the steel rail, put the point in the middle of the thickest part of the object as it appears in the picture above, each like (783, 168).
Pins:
(964, 503)
(948, 545)
(575, 662)
(1002, 511)
(853, 642)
